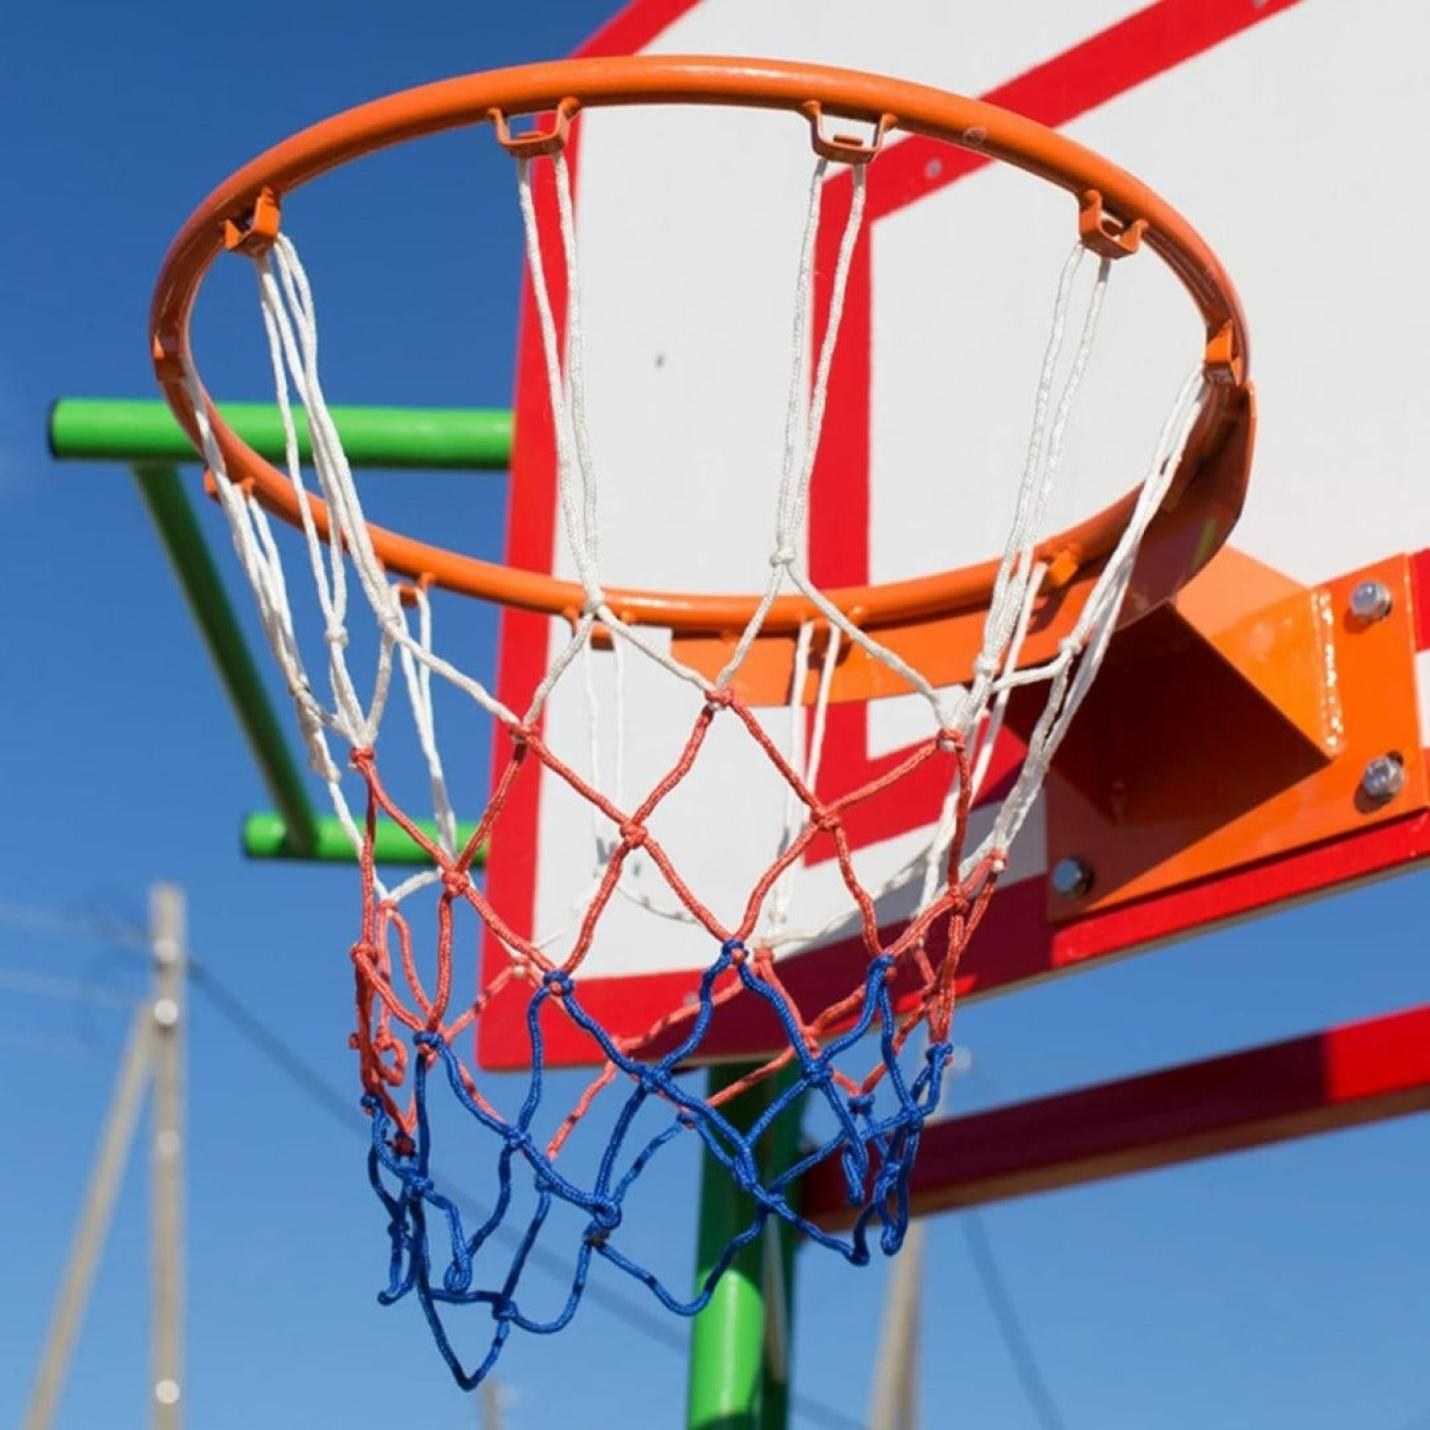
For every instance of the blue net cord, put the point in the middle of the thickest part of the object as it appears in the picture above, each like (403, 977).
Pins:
(435, 1256)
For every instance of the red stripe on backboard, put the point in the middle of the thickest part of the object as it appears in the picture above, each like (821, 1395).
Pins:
(523, 637)
(1108, 64)
(1254, 887)
(634, 28)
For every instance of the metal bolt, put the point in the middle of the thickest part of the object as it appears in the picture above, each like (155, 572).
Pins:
(1072, 878)
(166, 1391)
(1383, 778)
(1371, 601)
(166, 1012)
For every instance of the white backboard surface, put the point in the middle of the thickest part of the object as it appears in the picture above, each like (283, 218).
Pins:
(1290, 134)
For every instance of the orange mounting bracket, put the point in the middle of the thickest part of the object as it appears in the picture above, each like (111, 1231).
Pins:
(1234, 724)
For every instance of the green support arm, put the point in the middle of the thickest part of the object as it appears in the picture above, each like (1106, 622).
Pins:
(198, 578)
(145, 434)
(266, 836)
(438, 438)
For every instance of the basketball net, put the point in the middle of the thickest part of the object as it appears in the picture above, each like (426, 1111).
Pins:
(878, 1089)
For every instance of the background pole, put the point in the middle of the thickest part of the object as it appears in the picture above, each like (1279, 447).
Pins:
(167, 1157)
(894, 1404)
(94, 1220)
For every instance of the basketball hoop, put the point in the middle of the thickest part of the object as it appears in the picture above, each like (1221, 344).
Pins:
(1040, 615)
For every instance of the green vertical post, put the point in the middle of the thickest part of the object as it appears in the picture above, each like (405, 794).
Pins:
(735, 1383)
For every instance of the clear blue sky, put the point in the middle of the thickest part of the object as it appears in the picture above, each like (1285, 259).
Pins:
(1278, 1288)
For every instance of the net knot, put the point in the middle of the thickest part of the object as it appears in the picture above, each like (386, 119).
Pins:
(417, 1184)
(557, 983)
(361, 757)
(720, 699)
(784, 556)
(734, 949)
(336, 636)
(634, 835)
(456, 882)
(605, 1218)
(595, 600)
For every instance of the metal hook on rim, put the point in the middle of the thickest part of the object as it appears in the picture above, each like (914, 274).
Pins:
(844, 148)
(538, 142)
(255, 231)
(1101, 233)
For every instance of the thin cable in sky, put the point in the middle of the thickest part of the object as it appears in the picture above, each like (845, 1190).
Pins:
(1010, 1326)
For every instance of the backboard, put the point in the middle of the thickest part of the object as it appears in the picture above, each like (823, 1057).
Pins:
(1273, 695)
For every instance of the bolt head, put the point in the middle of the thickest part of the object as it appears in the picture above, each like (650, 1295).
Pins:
(1371, 601)
(166, 1391)
(166, 1012)
(1383, 778)
(1071, 878)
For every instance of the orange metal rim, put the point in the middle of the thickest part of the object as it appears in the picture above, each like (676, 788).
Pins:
(1117, 211)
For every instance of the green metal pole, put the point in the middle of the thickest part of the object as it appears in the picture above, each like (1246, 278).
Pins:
(188, 553)
(265, 836)
(734, 1384)
(104, 429)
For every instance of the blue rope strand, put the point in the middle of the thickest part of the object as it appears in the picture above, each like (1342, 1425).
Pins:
(874, 1152)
